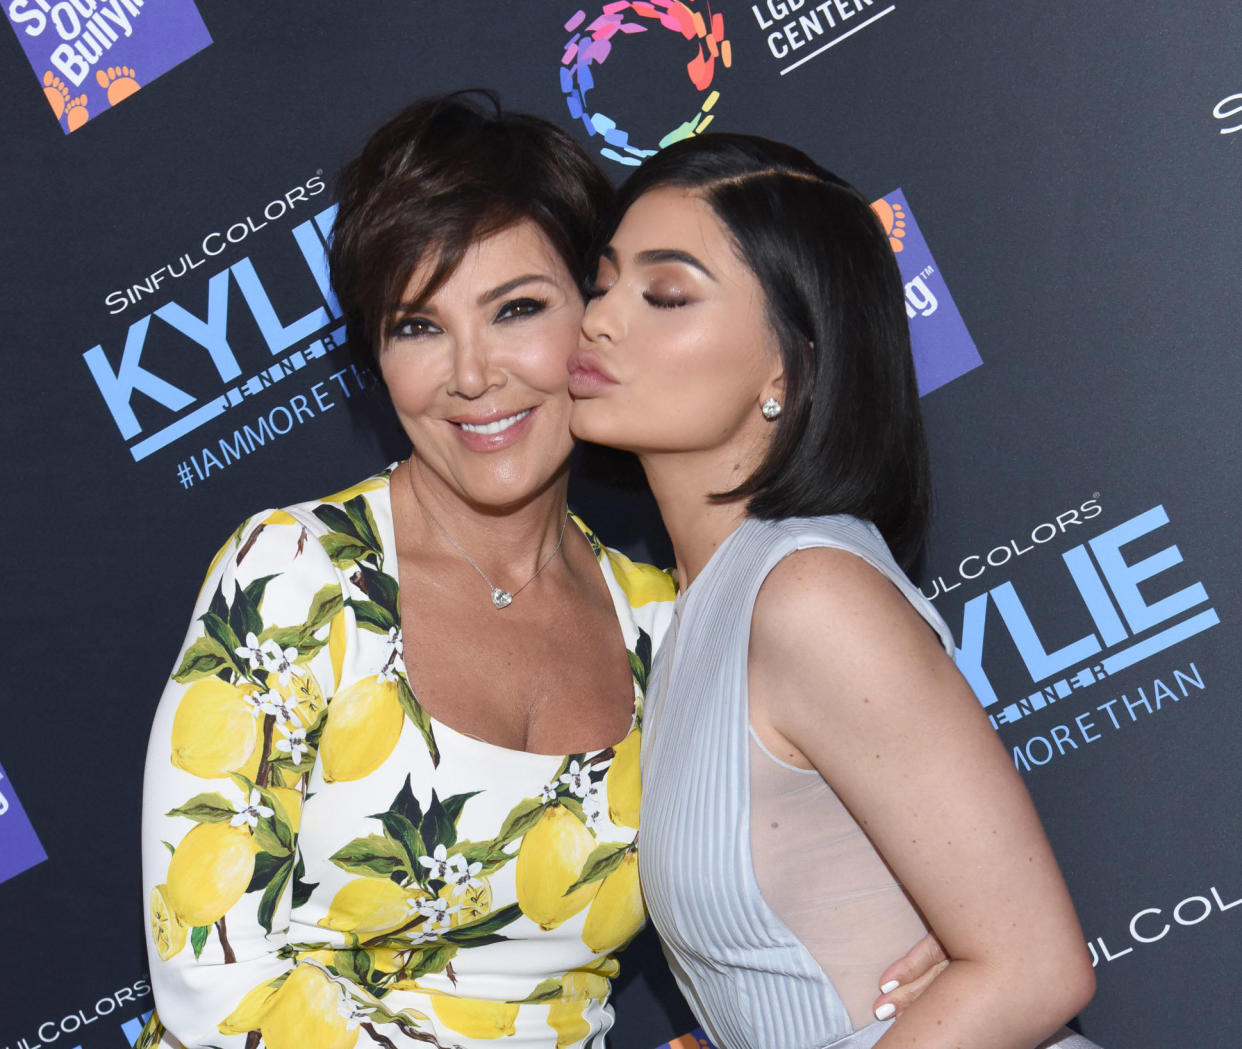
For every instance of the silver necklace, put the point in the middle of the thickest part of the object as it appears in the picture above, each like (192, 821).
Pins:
(500, 598)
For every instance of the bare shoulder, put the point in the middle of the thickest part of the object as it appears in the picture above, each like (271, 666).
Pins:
(821, 601)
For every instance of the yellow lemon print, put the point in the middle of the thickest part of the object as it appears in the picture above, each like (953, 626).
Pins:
(368, 906)
(306, 1014)
(280, 517)
(364, 722)
(250, 1010)
(291, 802)
(549, 862)
(616, 913)
(209, 872)
(622, 783)
(642, 583)
(336, 647)
(213, 731)
(567, 1020)
(583, 983)
(371, 484)
(303, 693)
(167, 931)
(475, 1017)
(473, 902)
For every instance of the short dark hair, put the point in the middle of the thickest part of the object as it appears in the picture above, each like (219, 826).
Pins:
(850, 439)
(439, 176)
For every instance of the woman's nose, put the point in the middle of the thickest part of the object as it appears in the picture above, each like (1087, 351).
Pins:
(472, 373)
(599, 319)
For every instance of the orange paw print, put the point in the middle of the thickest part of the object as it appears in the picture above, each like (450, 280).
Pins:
(118, 81)
(56, 93)
(76, 114)
(893, 219)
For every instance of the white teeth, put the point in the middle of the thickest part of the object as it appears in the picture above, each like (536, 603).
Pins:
(498, 426)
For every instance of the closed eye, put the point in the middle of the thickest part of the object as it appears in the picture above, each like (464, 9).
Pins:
(662, 302)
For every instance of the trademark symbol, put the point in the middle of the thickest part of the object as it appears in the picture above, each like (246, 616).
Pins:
(1095, 495)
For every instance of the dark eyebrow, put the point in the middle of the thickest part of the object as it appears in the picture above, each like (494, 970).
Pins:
(654, 256)
(405, 309)
(501, 290)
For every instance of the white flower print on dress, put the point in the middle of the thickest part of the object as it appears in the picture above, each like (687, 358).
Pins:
(577, 780)
(278, 706)
(294, 744)
(252, 812)
(594, 807)
(250, 651)
(460, 875)
(438, 863)
(279, 661)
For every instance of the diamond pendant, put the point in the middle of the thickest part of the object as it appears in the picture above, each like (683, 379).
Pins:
(501, 598)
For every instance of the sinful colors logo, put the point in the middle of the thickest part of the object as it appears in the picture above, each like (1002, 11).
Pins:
(126, 43)
(288, 341)
(1106, 582)
(590, 46)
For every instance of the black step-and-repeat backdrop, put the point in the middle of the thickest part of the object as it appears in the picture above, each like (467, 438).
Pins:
(1060, 183)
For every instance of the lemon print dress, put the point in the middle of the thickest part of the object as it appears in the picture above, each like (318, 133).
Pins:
(325, 865)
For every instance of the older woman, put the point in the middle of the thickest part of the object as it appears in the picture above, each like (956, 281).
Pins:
(392, 785)
(820, 785)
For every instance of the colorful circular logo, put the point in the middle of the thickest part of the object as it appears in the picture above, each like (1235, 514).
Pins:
(591, 45)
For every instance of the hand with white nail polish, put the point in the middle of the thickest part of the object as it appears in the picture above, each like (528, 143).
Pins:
(908, 977)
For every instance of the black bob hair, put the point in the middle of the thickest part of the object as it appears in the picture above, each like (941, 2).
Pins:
(850, 439)
(442, 174)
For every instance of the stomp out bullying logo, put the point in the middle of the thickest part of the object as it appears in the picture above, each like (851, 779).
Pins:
(943, 348)
(89, 55)
(19, 845)
(590, 44)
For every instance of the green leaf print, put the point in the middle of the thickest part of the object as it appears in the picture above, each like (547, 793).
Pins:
(414, 711)
(337, 520)
(373, 855)
(345, 551)
(404, 834)
(302, 889)
(431, 960)
(640, 659)
(326, 603)
(271, 895)
(218, 630)
(359, 511)
(206, 808)
(372, 616)
(453, 805)
(202, 659)
(256, 588)
(438, 828)
(266, 867)
(382, 589)
(604, 859)
(198, 939)
(244, 618)
(547, 991)
(406, 804)
(522, 817)
(482, 932)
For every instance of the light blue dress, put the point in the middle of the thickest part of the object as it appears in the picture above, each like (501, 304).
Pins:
(749, 979)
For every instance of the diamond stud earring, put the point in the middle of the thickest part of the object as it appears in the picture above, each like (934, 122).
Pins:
(771, 409)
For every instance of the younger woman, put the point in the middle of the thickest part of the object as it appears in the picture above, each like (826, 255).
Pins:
(820, 785)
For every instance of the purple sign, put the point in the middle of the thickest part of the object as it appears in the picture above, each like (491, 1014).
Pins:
(19, 846)
(89, 55)
(943, 348)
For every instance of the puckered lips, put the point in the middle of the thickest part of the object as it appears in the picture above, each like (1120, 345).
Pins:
(490, 431)
(587, 376)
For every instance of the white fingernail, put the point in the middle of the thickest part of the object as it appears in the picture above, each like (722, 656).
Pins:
(892, 985)
(885, 1011)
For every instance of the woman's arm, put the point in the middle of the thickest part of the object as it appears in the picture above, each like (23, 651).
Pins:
(232, 743)
(846, 677)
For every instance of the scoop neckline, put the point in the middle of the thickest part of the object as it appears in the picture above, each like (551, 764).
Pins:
(437, 725)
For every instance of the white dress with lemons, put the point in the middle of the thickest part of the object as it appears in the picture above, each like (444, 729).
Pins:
(325, 865)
